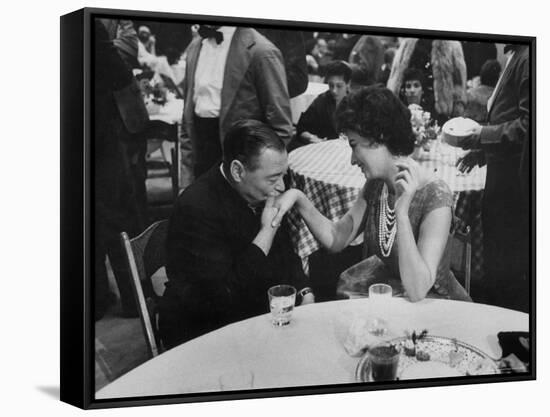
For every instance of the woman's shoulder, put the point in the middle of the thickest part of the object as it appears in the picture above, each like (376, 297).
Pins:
(435, 194)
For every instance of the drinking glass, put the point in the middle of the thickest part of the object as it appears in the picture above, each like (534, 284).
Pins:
(281, 303)
(379, 296)
(384, 359)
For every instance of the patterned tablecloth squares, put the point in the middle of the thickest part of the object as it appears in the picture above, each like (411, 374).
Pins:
(324, 173)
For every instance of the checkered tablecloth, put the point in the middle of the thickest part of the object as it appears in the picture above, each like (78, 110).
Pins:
(323, 171)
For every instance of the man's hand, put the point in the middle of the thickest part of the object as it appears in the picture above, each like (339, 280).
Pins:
(309, 298)
(284, 203)
(268, 214)
(472, 159)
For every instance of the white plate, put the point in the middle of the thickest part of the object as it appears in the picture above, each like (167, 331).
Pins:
(458, 128)
(448, 358)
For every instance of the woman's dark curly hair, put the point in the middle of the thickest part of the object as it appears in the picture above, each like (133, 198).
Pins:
(377, 114)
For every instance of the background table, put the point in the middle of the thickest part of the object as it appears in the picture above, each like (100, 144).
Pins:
(323, 171)
(310, 350)
(171, 112)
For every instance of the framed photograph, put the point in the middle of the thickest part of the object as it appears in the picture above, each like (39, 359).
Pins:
(256, 208)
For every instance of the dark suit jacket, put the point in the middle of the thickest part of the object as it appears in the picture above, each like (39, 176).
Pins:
(508, 118)
(216, 275)
(506, 137)
(293, 48)
(113, 76)
(319, 117)
(254, 84)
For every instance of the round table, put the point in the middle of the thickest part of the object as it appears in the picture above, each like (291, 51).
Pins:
(307, 352)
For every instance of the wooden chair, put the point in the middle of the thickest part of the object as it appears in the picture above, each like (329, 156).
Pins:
(146, 254)
(159, 130)
(461, 255)
(461, 248)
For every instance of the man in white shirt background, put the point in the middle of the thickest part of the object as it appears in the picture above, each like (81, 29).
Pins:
(231, 74)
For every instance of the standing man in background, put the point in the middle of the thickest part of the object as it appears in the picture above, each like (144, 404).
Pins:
(506, 143)
(231, 74)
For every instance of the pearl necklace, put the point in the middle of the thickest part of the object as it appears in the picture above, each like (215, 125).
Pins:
(387, 226)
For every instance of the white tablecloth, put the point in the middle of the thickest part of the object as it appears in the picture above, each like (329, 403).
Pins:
(171, 112)
(323, 171)
(307, 352)
(330, 162)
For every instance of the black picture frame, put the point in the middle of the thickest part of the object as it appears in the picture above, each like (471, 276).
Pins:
(77, 330)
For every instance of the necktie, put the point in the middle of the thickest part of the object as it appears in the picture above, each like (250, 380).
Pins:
(210, 33)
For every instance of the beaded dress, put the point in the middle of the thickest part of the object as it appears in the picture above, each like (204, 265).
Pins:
(381, 263)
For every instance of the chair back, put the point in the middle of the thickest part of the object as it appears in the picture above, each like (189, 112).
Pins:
(461, 255)
(157, 129)
(146, 254)
(461, 247)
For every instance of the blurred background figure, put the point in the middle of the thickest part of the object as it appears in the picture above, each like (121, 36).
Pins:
(475, 55)
(316, 57)
(477, 97)
(119, 118)
(232, 74)
(317, 123)
(476, 109)
(413, 88)
(291, 43)
(343, 45)
(444, 69)
(385, 71)
(147, 40)
(368, 56)
(160, 64)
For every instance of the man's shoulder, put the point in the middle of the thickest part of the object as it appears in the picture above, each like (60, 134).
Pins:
(259, 43)
(202, 194)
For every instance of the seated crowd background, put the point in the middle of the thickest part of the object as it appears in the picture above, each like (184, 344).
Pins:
(226, 238)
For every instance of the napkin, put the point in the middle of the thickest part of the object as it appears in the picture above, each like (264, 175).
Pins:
(359, 338)
(516, 343)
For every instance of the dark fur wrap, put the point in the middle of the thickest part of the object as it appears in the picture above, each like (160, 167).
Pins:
(449, 74)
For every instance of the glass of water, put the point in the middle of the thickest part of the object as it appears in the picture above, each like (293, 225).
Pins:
(379, 296)
(281, 303)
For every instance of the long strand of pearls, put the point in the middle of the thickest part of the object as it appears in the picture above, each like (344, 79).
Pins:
(387, 224)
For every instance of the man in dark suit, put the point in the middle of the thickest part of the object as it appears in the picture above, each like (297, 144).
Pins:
(505, 213)
(222, 251)
(231, 74)
(119, 116)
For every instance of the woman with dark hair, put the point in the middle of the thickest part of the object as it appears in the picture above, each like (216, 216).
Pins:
(413, 90)
(404, 212)
(317, 123)
(442, 63)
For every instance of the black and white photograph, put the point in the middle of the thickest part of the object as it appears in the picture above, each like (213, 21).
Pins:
(279, 208)
(285, 207)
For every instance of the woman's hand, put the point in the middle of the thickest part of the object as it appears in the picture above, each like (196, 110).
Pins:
(283, 203)
(269, 213)
(406, 182)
